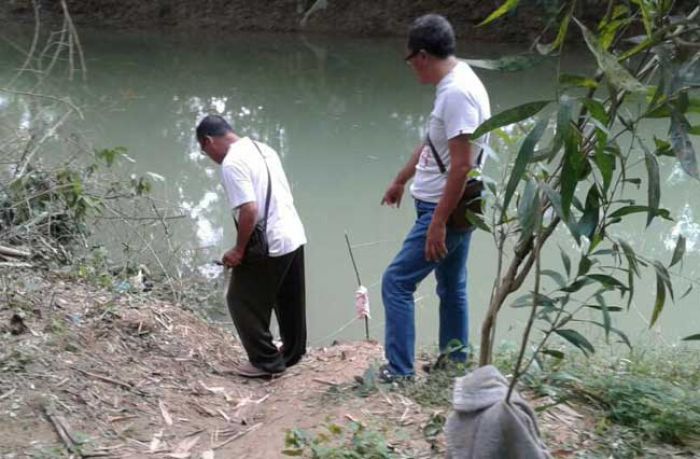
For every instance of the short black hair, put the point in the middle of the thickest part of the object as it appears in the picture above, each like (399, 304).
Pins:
(212, 126)
(433, 34)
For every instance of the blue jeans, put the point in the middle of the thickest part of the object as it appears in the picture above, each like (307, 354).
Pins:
(399, 284)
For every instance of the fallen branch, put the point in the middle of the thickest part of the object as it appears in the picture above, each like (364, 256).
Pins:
(116, 382)
(63, 432)
(15, 264)
(12, 252)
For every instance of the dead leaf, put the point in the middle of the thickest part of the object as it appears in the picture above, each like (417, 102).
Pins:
(155, 442)
(164, 412)
(186, 445)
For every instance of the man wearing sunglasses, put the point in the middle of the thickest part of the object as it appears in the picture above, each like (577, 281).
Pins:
(260, 197)
(439, 168)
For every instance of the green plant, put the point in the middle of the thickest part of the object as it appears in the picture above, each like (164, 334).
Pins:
(435, 390)
(54, 452)
(16, 360)
(579, 178)
(652, 394)
(354, 441)
(59, 204)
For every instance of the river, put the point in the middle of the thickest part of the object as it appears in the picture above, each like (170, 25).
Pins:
(344, 114)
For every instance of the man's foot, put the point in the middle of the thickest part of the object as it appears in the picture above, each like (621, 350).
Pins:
(248, 370)
(440, 364)
(385, 375)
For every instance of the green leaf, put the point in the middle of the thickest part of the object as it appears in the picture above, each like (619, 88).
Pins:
(577, 339)
(665, 277)
(577, 285)
(525, 301)
(619, 333)
(631, 257)
(507, 63)
(555, 199)
(566, 261)
(660, 300)
(678, 251)
(528, 209)
(507, 6)
(663, 148)
(606, 165)
(633, 209)
(573, 163)
(554, 353)
(561, 35)
(682, 145)
(646, 16)
(567, 79)
(614, 71)
(687, 292)
(600, 308)
(584, 265)
(607, 281)
(608, 32)
(589, 220)
(555, 276)
(653, 186)
(596, 109)
(522, 160)
(510, 116)
(638, 48)
(606, 317)
(477, 220)
(565, 117)
(695, 337)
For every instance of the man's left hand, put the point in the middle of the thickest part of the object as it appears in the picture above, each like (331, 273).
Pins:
(233, 258)
(435, 247)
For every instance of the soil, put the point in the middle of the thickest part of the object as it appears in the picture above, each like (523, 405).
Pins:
(347, 17)
(96, 374)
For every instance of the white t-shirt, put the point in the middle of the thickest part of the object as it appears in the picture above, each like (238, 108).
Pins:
(244, 177)
(461, 105)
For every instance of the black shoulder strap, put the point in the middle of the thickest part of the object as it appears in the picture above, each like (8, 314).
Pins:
(438, 159)
(269, 185)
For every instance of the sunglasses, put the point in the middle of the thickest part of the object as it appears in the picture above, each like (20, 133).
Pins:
(412, 55)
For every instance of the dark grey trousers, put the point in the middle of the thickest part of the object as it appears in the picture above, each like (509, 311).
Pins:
(255, 290)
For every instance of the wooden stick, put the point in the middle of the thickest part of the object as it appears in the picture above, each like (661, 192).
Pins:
(359, 282)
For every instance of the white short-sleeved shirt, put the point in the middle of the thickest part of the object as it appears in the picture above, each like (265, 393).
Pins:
(244, 177)
(461, 105)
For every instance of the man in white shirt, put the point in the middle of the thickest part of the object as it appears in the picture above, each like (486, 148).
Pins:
(439, 168)
(260, 197)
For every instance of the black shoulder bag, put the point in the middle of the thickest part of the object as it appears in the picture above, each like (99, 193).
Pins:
(471, 199)
(258, 249)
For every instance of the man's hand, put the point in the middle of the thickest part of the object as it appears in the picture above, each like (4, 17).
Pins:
(435, 247)
(392, 196)
(233, 257)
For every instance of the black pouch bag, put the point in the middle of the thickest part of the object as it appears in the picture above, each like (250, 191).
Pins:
(258, 248)
(471, 199)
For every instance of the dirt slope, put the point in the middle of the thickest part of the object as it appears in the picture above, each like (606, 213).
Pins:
(94, 374)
